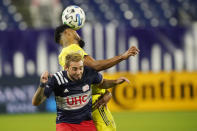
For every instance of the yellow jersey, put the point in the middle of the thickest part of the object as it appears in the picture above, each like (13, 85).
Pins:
(73, 48)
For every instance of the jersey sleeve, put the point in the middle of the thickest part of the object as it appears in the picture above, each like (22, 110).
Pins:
(74, 48)
(97, 78)
(81, 51)
(51, 84)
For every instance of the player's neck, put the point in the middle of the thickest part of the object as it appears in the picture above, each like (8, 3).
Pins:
(70, 43)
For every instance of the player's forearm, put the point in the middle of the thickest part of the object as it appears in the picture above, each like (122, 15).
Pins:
(106, 84)
(108, 95)
(100, 65)
(38, 97)
(108, 63)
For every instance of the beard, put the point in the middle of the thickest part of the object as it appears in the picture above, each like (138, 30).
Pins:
(77, 80)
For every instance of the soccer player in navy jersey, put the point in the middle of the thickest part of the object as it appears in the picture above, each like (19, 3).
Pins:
(73, 94)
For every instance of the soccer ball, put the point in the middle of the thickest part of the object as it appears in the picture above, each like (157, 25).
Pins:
(74, 17)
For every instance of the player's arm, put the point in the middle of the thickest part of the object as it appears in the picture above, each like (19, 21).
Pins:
(103, 100)
(106, 84)
(99, 65)
(39, 96)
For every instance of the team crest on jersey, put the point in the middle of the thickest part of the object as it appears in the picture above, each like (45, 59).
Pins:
(85, 88)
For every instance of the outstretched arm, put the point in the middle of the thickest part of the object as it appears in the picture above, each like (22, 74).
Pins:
(99, 65)
(104, 99)
(106, 84)
(39, 96)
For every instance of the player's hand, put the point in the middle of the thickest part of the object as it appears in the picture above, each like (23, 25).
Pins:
(103, 100)
(121, 80)
(132, 51)
(44, 77)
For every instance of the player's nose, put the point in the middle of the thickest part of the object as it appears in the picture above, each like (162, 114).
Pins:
(78, 72)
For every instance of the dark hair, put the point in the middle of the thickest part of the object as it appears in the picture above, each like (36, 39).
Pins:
(58, 32)
(81, 43)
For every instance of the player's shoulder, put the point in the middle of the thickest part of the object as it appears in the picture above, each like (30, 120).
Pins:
(70, 47)
(60, 77)
(89, 70)
(92, 74)
(74, 46)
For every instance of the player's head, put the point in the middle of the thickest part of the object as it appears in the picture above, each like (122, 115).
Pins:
(74, 66)
(65, 34)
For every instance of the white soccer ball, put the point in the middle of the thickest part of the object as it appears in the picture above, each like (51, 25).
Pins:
(74, 17)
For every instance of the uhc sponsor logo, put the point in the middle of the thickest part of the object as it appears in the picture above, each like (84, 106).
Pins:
(71, 102)
(76, 100)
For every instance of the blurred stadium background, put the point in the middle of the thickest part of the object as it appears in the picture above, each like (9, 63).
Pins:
(163, 90)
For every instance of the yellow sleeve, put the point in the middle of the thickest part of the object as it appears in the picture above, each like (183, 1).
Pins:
(96, 90)
(74, 48)
(96, 93)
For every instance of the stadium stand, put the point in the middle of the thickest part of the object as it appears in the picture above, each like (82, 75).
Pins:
(135, 13)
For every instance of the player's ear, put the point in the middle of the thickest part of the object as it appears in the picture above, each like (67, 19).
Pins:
(65, 68)
(61, 39)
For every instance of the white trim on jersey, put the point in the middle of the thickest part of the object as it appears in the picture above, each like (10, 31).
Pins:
(57, 78)
(66, 80)
(61, 77)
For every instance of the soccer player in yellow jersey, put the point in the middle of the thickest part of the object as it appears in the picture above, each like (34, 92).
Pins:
(72, 43)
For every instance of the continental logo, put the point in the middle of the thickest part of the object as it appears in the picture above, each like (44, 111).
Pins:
(156, 90)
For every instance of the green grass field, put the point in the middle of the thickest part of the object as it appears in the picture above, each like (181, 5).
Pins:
(125, 121)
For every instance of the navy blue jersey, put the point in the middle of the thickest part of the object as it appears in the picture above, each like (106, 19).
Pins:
(73, 98)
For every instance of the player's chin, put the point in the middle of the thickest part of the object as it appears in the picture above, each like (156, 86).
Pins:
(78, 78)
